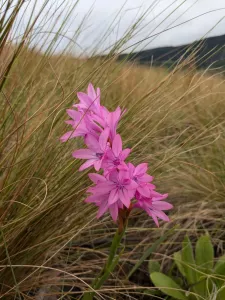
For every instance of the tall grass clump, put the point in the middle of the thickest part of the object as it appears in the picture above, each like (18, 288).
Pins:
(49, 238)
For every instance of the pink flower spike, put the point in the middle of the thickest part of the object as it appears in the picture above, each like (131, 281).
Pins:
(96, 152)
(120, 182)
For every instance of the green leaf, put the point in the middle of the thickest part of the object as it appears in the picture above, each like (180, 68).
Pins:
(178, 261)
(166, 285)
(177, 279)
(219, 271)
(153, 266)
(220, 265)
(221, 294)
(204, 252)
(189, 261)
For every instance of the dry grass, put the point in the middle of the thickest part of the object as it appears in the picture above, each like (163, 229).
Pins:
(175, 122)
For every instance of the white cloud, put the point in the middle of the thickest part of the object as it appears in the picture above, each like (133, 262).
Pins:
(108, 20)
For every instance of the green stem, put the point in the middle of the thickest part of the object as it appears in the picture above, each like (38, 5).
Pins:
(109, 266)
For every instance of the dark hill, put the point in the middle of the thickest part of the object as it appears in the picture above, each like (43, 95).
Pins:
(208, 52)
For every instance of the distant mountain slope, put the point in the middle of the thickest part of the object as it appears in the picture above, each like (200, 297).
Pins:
(209, 51)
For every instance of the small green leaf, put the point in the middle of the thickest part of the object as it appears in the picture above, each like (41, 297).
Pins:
(219, 271)
(220, 264)
(178, 261)
(153, 266)
(204, 252)
(221, 294)
(189, 261)
(177, 279)
(166, 285)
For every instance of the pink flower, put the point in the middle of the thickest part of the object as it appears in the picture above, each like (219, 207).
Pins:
(154, 206)
(139, 175)
(81, 125)
(113, 192)
(101, 200)
(108, 119)
(113, 120)
(89, 102)
(94, 95)
(96, 151)
(115, 157)
(121, 182)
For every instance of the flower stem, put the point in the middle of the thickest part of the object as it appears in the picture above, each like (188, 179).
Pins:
(109, 266)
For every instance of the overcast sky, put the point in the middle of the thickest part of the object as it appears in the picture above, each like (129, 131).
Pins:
(106, 21)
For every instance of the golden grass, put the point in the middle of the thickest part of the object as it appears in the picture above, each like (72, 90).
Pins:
(175, 122)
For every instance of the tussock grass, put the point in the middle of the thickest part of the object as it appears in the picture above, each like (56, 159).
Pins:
(175, 122)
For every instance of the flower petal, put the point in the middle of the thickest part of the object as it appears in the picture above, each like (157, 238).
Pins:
(113, 176)
(84, 99)
(144, 190)
(124, 198)
(157, 196)
(92, 143)
(141, 169)
(87, 164)
(113, 197)
(102, 209)
(133, 185)
(113, 209)
(161, 205)
(84, 154)
(154, 219)
(91, 91)
(98, 164)
(104, 188)
(146, 178)
(103, 138)
(117, 145)
(161, 215)
(92, 199)
(66, 136)
(125, 153)
(75, 115)
(96, 178)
